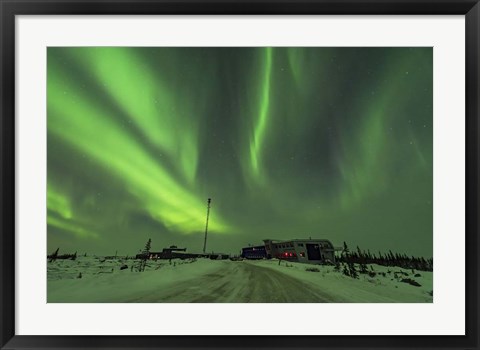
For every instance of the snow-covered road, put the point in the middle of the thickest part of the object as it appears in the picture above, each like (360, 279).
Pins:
(240, 282)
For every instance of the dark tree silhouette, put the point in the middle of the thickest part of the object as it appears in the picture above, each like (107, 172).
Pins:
(144, 256)
(389, 259)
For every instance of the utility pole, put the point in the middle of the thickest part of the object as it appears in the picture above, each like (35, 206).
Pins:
(206, 225)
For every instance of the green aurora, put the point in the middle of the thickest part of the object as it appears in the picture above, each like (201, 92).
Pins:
(330, 143)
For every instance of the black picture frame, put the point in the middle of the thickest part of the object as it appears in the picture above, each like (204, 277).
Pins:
(11, 8)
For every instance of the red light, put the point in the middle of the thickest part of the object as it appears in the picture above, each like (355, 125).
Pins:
(291, 254)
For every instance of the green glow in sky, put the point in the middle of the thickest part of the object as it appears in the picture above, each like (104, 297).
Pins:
(261, 125)
(288, 142)
(93, 131)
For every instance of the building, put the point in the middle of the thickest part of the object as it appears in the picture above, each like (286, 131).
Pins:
(173, 252)
(168, 253)
(312, 251)
(258, 252)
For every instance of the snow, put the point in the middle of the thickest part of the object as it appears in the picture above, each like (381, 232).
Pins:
(204, 280)
(365, 289)
(105, 282)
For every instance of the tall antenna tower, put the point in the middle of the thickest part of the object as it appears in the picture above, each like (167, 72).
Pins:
(206, 225)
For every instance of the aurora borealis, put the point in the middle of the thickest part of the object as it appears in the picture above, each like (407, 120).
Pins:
(332, 143)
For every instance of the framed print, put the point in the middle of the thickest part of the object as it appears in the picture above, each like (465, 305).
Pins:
(230, 174)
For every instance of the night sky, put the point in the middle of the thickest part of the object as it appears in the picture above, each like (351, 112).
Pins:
(332, 143)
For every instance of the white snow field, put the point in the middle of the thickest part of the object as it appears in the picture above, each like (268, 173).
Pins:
(225, 281)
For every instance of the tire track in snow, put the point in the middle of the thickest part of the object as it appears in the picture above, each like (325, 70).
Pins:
(238, 282)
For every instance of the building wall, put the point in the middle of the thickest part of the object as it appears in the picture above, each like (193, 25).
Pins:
(312, 251)
(257, 252)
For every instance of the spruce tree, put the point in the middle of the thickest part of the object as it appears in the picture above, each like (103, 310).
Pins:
(145, 255)
(345, 270)
(352, 270)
